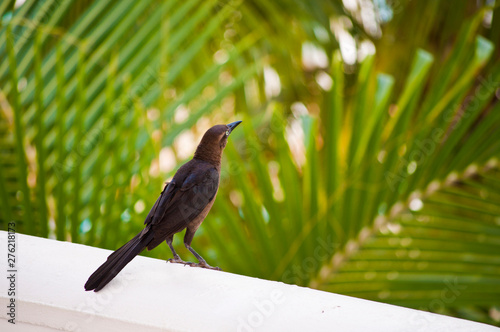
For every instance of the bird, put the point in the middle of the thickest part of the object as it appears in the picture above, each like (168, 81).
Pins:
(183, 204)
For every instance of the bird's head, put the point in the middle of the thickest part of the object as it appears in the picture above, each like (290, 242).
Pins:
(214, 141)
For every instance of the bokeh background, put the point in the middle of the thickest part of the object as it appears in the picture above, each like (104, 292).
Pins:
(366, 164)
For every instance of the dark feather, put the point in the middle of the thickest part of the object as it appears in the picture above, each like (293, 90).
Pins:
(117, 261)
(197, 190)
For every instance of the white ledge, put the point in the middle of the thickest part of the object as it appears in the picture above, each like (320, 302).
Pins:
(151, 295)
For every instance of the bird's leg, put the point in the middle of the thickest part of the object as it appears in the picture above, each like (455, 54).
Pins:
(201, 262)
(177, 258)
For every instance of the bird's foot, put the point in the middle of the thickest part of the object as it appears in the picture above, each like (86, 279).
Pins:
(206, 266)
(178, 260)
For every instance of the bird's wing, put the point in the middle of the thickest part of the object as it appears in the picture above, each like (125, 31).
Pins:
(184, 203)
(196, 192)
(157, 211)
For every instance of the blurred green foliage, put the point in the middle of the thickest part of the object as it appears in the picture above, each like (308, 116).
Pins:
(367, 163)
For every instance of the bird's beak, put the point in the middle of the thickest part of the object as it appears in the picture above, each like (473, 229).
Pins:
(233, 125)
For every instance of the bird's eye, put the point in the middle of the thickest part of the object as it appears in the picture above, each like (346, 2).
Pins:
(227, 132)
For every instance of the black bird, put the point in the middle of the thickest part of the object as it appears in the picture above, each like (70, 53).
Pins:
(183, 203)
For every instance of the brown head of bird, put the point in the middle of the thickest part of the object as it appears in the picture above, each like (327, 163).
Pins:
(213, 143)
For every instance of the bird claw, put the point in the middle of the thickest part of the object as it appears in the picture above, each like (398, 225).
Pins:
(206, 266)
(178, 261)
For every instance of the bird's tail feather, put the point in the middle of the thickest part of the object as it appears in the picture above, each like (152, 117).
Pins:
(117, 261)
